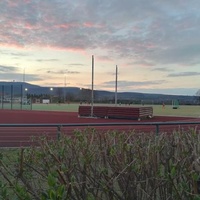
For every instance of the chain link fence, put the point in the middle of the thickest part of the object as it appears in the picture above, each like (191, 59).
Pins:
(14, 97)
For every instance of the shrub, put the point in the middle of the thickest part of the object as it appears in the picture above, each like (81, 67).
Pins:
(112, 165)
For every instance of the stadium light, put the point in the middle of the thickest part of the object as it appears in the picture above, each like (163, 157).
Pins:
(51, 89)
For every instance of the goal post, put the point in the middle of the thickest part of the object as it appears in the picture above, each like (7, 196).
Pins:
(175, 104)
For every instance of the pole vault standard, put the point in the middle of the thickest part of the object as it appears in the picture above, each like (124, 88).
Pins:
(64, 98)
(92, 94)
(116, 75)
(24, 75)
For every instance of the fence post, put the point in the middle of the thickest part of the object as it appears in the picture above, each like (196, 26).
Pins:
(31, 104)
(21, 96)
(58, 132)
(2, 96)
(157, 129)
(11, 96)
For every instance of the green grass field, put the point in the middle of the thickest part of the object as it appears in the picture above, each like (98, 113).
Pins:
(185, 111)
(191, 111)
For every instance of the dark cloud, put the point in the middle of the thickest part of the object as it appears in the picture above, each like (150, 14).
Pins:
(161, 69)
(19, 77)
(184, 74)
(19, 54)
(171, 91)
(47, 60)
(33, 77)
(75, 64)
(62, 72)
(8, 69)
(133, 84)
(161, 32)
(158, 35)
(9, 73)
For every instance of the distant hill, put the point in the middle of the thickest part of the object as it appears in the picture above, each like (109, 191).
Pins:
(137, 97)
(34, 89)
(99, 95)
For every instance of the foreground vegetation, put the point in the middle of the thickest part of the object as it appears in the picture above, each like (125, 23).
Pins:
(111, 165)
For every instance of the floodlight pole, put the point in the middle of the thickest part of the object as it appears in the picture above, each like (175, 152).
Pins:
(64, 99)
(24, 75)
(23, 83)
(116, 75)
(92, 97)
(22, 94)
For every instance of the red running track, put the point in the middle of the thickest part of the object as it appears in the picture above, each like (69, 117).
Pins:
(22, 136)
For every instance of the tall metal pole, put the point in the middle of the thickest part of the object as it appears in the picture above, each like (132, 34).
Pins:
(21, 95)
(24, 75)
(65, 90)
(23, 84)
(116, 75)
(92, 97)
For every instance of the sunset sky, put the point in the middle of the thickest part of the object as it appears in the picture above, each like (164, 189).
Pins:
(155, 44)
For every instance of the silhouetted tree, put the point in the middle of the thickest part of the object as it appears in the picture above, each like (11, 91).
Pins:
(59, 93)
(197, 96)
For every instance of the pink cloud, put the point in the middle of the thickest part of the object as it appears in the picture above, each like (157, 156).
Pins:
(13, 45)
(137, 28)
(30, 26)
(150, 45)
(12, 3)
(68, 48)
(66, 25)
(88, 24)
(92, 25)
(104, 58)
(155, 25)
(27, 1)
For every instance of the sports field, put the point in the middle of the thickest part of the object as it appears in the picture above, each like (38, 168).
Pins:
(68, 114)
(185, 111)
